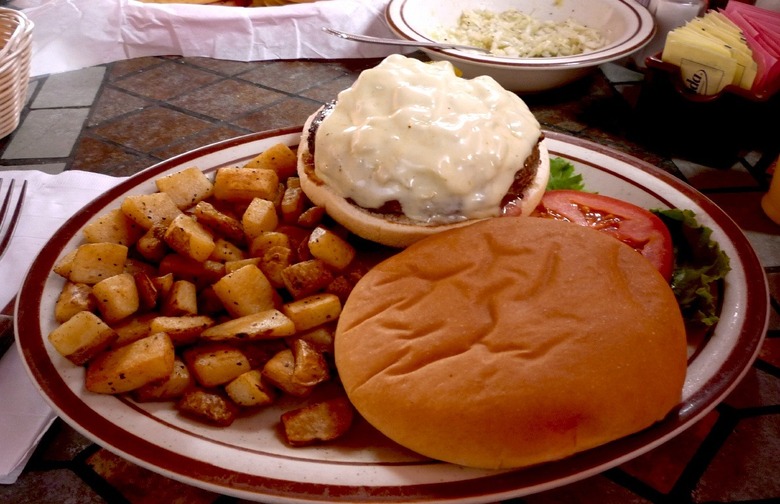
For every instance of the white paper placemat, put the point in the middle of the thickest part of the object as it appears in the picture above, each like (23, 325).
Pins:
(50, 201)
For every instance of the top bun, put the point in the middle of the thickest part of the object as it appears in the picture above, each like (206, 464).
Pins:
(511, 342)
(411, 149)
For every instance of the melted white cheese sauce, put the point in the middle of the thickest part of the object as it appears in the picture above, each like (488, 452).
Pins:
(444, 147)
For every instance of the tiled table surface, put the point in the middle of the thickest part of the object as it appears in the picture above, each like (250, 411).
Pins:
(122, 117)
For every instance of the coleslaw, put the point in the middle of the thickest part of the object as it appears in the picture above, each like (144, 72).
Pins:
(515, 34)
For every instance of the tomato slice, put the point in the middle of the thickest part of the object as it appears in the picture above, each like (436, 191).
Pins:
(633, 225)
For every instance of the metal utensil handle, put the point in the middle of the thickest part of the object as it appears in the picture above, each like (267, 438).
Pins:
(399, 42)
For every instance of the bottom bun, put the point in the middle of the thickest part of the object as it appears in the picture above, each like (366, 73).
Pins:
(511, 342)
(388, 229)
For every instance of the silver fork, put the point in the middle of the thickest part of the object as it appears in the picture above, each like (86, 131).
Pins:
(6, 318)
(5, 235)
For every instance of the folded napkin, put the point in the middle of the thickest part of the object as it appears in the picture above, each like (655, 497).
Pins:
(73, 34)
(50, 201)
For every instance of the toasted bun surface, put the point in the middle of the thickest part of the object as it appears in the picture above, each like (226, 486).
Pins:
(390, 230)
(511, 342)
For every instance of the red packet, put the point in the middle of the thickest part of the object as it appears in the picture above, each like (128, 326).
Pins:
(761, 28)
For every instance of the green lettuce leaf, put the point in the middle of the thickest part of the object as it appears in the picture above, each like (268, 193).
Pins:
(699, 265)
(563, 176)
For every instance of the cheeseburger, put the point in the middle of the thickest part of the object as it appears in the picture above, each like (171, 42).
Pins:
(412, 149)
(512, 342)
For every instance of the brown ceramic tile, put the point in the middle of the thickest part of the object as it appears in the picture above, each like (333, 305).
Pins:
(65, 443)
(773, 279)
(223, 67)
(151, 129)
(95, 155)
(745, 469)
(660, 468)
(327, 91)
(757, 389)
(595, 490)
(286, 113)
(112, 103)
(141, 486)
(205, 137)
(293, 76)
(706, 178)
(127, 67)
(58, 485)
(770, 352)
(165, 81)
(745, 209)
(226, 99)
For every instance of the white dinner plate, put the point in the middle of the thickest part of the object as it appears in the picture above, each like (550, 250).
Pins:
(249, 460)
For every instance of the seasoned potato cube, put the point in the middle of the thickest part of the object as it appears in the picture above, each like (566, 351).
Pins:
(190, 239)
(184, 268)
(280, 369)
(264, 241)
(113, 227)
(182, 300)
(259, 217)
(250, 390)
(209, 303)
(225, 251)
(245, 291)
(208, 406)
(146, 210)
(186, 187)
(311, 367)
(94, 262)
(219, 222)
(148, 295)
(273, 263)
(82, 337)
(173, 387)
(266, 324)
(74, 298)
(215, 364)
(244, 184)
(330, 248)
(321, 421)
(311, 217)
(163, 284)
(133, 266)
(152, 244)
(292, 204)
(231, 266)
(132, 329)
(182, 330)
(116, 297)
(320, 338)
(64, 264)
(313, 311)
(124, 369)
(306, 277)
(279, 158)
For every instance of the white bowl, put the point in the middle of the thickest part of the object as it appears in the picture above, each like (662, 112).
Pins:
(626, 25)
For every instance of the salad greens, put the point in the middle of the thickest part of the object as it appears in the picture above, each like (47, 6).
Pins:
(563, 176)
(699, 264)
(699, 261)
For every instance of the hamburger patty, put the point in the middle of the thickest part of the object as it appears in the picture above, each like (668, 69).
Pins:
(523, 177)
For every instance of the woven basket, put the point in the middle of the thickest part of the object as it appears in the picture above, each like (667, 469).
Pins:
(15, 54)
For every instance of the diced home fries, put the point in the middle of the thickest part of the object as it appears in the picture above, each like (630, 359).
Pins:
(219, 295)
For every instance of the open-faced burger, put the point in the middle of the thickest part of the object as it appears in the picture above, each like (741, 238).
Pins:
(412, 149)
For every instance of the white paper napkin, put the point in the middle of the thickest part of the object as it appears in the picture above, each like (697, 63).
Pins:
(50, 201)
(73, 34)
